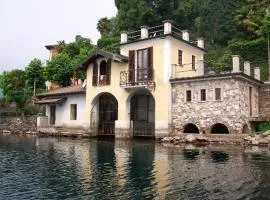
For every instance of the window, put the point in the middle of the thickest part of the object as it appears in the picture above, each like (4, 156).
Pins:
(218, 94)
(193, 62)
(188, 96)
(203, 94)
(73, 111)
(180, 57)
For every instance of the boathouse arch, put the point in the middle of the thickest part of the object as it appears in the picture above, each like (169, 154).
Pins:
(219, 128)
(141, 107)
(191, 128)
(104, 113)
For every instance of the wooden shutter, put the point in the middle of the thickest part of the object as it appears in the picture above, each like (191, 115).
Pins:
(95, 74)
(131, 68)
(150, 63)
(109, 65)
(180, 57)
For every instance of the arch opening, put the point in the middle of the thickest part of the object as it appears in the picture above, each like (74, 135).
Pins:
(191, 128)
(142, 114)
(106, 113)
(103, 68)
(219, 129)
(246, 130)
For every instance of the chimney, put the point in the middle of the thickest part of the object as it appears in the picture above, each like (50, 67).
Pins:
(247, 68)
(124, 37)
(257, 73)
(144, 32)
(167, 27)
(185, 35)
(236, 64)
(200, 43)
(200, 67)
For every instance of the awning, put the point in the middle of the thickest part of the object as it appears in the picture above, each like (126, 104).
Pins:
(51, 101)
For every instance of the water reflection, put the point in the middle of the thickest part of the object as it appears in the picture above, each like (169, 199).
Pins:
(51, 168)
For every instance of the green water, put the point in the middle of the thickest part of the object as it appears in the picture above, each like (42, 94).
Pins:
(51, 168)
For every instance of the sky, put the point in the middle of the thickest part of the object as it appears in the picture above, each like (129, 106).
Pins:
(26, 26)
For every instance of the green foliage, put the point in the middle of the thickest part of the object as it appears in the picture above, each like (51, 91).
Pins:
(109, 43)
(34, 74)
(263, 127)
(63, 66)
(14, 87)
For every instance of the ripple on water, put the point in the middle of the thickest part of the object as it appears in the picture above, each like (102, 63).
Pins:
(50, 168)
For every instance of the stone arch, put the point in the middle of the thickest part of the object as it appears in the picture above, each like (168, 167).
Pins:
(191, 128)
(219, 128)
(246, 129)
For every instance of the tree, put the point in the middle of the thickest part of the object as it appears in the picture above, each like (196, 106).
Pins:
(14, 87)
(62, 67)
(34, 75)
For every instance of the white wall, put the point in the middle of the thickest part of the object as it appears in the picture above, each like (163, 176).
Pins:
(63, 112)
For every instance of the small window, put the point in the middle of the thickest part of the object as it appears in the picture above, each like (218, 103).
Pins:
(203, 94)
(218, 94)
(188, 96)
(193, 62)
(180, 57)
(73, 111)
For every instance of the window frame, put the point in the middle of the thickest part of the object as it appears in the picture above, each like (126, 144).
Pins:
(73, 112)
(193, 62)
(186, 96)
(180, 57)
(200, 91)
(215, 94)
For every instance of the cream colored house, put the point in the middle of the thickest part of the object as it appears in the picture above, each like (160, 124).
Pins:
(129, 95)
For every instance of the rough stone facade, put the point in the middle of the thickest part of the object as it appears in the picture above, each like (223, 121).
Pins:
(233, 110)
(20, 125)
(264, 103)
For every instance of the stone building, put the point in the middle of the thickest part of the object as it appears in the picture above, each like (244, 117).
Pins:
(158, 85)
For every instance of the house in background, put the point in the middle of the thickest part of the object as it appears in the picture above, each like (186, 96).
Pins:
(157, 86)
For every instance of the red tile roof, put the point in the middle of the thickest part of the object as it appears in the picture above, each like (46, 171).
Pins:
(78, 89)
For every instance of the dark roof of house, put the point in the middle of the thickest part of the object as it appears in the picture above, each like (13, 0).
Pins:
(97, 54)
(49, 47)
(51, 100)
(216, 76)
(78, 89)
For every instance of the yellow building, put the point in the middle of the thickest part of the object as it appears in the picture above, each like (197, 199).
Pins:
(129, 95)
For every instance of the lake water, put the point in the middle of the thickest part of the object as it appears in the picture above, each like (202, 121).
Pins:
(51, 168)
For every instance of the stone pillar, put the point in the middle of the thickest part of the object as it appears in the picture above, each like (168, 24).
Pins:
(185, 35)
(200, 43)
(247, 68)
(124, 37)
(257, 73)
(236, 63)
(144, 32)
(167, 27)
(123, 129)
(200, 67)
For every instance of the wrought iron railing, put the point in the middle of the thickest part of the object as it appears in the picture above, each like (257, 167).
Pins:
(144, 76)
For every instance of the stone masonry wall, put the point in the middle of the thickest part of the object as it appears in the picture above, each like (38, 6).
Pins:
(19, 125)
(232, 111)
(264, 108)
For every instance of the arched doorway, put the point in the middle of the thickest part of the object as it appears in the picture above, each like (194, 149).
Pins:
(191, 128)
(108, 114)
(246, 130)
(142, 115)
(219, 129)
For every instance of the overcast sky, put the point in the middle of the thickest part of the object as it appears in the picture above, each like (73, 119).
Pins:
(26, 26)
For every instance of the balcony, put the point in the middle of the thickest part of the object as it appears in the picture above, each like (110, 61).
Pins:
(137, 78)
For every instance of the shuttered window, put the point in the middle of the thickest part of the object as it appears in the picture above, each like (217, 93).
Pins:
(95, 74)
(203, 94)
(109, 64)
(193, 62)
(131, 68)
(180, 57)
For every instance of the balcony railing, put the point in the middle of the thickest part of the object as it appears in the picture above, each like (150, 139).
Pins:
(137, 77)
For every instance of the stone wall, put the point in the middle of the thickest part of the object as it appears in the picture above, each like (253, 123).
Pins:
(233, 110)
(19, 125)
(264, 108)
